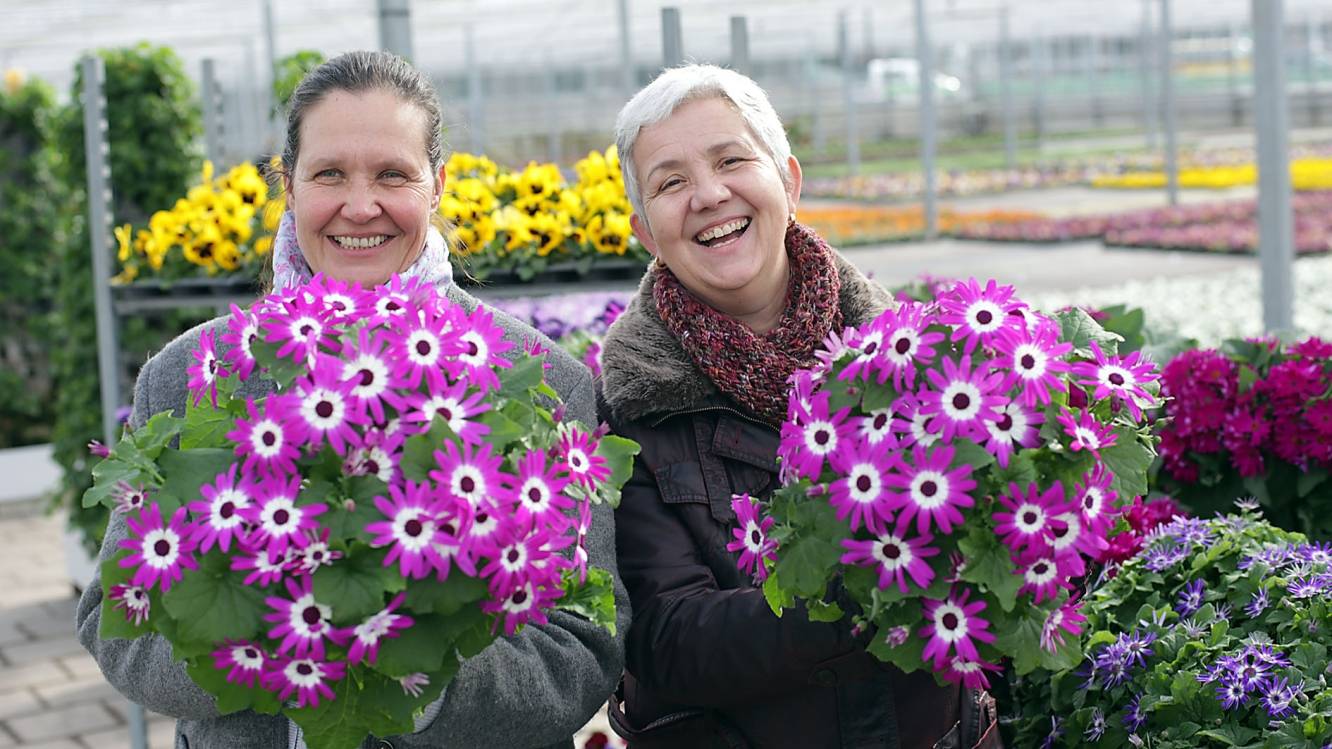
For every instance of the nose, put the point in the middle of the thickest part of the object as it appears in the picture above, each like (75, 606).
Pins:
(361, 204)
(709, 191)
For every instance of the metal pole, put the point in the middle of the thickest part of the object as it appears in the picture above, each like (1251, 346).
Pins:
(1310, 72)
(475, 100)
(672, 41)
(212, 114)
(1038, 73)
(628, 81)
(740, 45)
(269, 96)
(1168, 105)
(551, 119)
(927, 135)
(848, 94)
(868, 29)
(395, 27)
(1006, 89)
(98, 151)
(1145, 71)
(1276, 245)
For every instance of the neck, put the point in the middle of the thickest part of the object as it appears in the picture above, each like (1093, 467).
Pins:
(761, 309)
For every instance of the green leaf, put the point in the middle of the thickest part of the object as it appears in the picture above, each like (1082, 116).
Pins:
(906, 656)
(385, 696)
(778, 598)
(877, 396)
(1128, 459)
(1310, 480)
(990, 565)
(823, 612)
(619, 453)
(348, 516)
(212, 604)
(418, 452)
(1022, 639)
(1080, 329)
(359, 582)
(107, 476)
(339, 723)
(186, 471)
(527, 373)
(157, 433)
(971, 454)
(1021, 470)
(231, 698)
(422, 646)
(503, 429)
(206, 426)
(808, 564)
(593, 599)
(282, 371)
(445, 597)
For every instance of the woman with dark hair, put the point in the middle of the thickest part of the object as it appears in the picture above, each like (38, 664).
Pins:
(363, 168)
(695, 370)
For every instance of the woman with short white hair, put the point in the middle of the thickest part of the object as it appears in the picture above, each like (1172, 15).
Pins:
(739, 296)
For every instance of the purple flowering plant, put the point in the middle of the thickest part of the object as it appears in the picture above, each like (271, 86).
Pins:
(957, 462)
(1215, 635)
(367, 486)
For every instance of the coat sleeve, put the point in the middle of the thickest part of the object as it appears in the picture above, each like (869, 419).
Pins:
(142, 669)
(541, 685)
(693, 643)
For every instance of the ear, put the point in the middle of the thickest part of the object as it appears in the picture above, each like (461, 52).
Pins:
(287, 192)
(643, 233)
(793, 189)
(439, 187)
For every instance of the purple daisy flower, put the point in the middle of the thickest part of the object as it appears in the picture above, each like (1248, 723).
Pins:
(1230, 691)
(978, 315)
(385, 624)
(1257, 604)
(1042, 576)
(1279, 696)
(413, 685)
(1028, 525)
(1087, 433)
(1307, 587)
(455, 406)
(1066, 618)
(133, 600)
(368, 368)
(1034, 362)
(269, 441)
(392, 300)
(130, 497)
(262, 568)
(861, 491)
(907, 343)
(524, 555)
(1016, 427)
(865, 344)
(895, 557)
(409, 529)
(1134, 716)
(539, 493)
(160, 550)
(377, 456)
(314, 554)
(1121, 378)
(344, 302)
(931, 493)
(242, 332)
(524, 605)
(970, 673)
(302, 623)
(325, 408)
(307, 677)
(300, 329)
(468, 475)
(578, 459)
(423, 343)
(278, 521)
(914, 423)
(220, 516)
(482, 343)
(453, 541)
(206, 370)
(1164, 555)
(963, 399)
(1095, 500)
(242, 660)
(876, 428)
(1095, 725)
(952, 625)
(812, 436)
(751, 537)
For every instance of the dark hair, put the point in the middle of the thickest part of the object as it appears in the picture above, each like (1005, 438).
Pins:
(365, 71)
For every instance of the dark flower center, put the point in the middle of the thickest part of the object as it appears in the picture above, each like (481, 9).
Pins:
(162, 547)
(1029, 518)
(961, 401)
(949, 620)
(984, 317)
(534, 495)
(269, 439)
(281, 517)
(472, 348)
(1040, 568)
(863, 483)
(227, 510)
(446, 412)
(1088, 502)
(1005, 423)
(1028, 361)
(513, 555)
(902, 346)
(372, 466)
(304, 669)
(929, 488)
(324, 409)
(307, 329)
(482, 517)
(821, 437)
(251, 653)
(311, 615)
(755, 537)
(423, 348)
(340, 306)
(892, 551)
(1116, 378)
(412, 527)
(880, 421)
(871, 347)
(392, 306)
(519, 597)
(467, 484)
(367, 378)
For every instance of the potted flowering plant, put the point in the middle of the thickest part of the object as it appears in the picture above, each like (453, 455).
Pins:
(403, 493)
(1215, 635)
(954, 464)
(1252, 418)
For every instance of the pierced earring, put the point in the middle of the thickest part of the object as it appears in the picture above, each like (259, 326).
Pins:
(790, 220)
(659, 264)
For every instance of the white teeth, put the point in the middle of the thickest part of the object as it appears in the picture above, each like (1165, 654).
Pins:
(723, 230)
(361, 243)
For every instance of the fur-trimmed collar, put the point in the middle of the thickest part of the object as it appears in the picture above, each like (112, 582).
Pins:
(646, 371)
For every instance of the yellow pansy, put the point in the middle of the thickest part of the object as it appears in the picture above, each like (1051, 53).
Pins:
(549, 230)
(609, 233)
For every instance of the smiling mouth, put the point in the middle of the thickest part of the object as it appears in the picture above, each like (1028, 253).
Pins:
(723, 233)
(359, 243)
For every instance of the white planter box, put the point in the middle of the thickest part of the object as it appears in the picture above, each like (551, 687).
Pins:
(78, 565)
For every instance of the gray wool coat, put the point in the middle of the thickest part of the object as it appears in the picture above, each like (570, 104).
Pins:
(534, 689)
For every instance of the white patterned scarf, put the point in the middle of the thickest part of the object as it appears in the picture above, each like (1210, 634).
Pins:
(291, 269)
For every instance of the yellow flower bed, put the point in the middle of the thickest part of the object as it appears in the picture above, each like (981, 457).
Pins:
(1305, 174)
(223, 225)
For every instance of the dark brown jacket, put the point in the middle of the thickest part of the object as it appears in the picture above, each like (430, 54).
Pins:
(708, 663)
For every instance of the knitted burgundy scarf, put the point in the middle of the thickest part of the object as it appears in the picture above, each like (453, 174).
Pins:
(752, 368)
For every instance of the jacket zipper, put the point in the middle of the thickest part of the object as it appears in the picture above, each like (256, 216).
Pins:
(706, 409)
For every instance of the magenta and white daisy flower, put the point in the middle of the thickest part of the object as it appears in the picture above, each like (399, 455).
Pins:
(485, 532)
(1064, 618)
(930, 492)
(325, 408)
(314, 554)
(876, 428)
(385, 624)
(269, 440)
(832, 348)
(160, 549)
(300, 328)
(751, 537)
(523, 605)
(1072, 540)
(970, 674)
(409, 529)
(866, 344)
(1121, 378)
(578, 459)
(861, 494)
(377, 456)
(539, 491)
(133, 600)
(242, 660)
(130, 497)
(1096, 500)
(206, 370)
(1027, 527)
(220, 516)
(813, 436)
(278, 521)
(242, 332)
(978, 315)
(896, 558)
(1017, 426)
(344, 302)
(367, 366)
(962, 399)
(423, 344)
(453, 544)
(524, 555)
(472, 476)
(302, 622)
(954, 624)
(907, 344)
(413, 685)
(914, 423)
(456, 405)
(392, 300)
(1041, 576)
(804, 384)
(1033, 360)
(482, 343)
(1087, 433)
(261, 568)
(308, 678)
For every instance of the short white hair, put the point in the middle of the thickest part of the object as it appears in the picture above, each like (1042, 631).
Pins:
(677, 86)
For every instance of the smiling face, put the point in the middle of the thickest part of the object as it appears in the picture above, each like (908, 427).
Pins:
(362, 189)
(716, 209)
